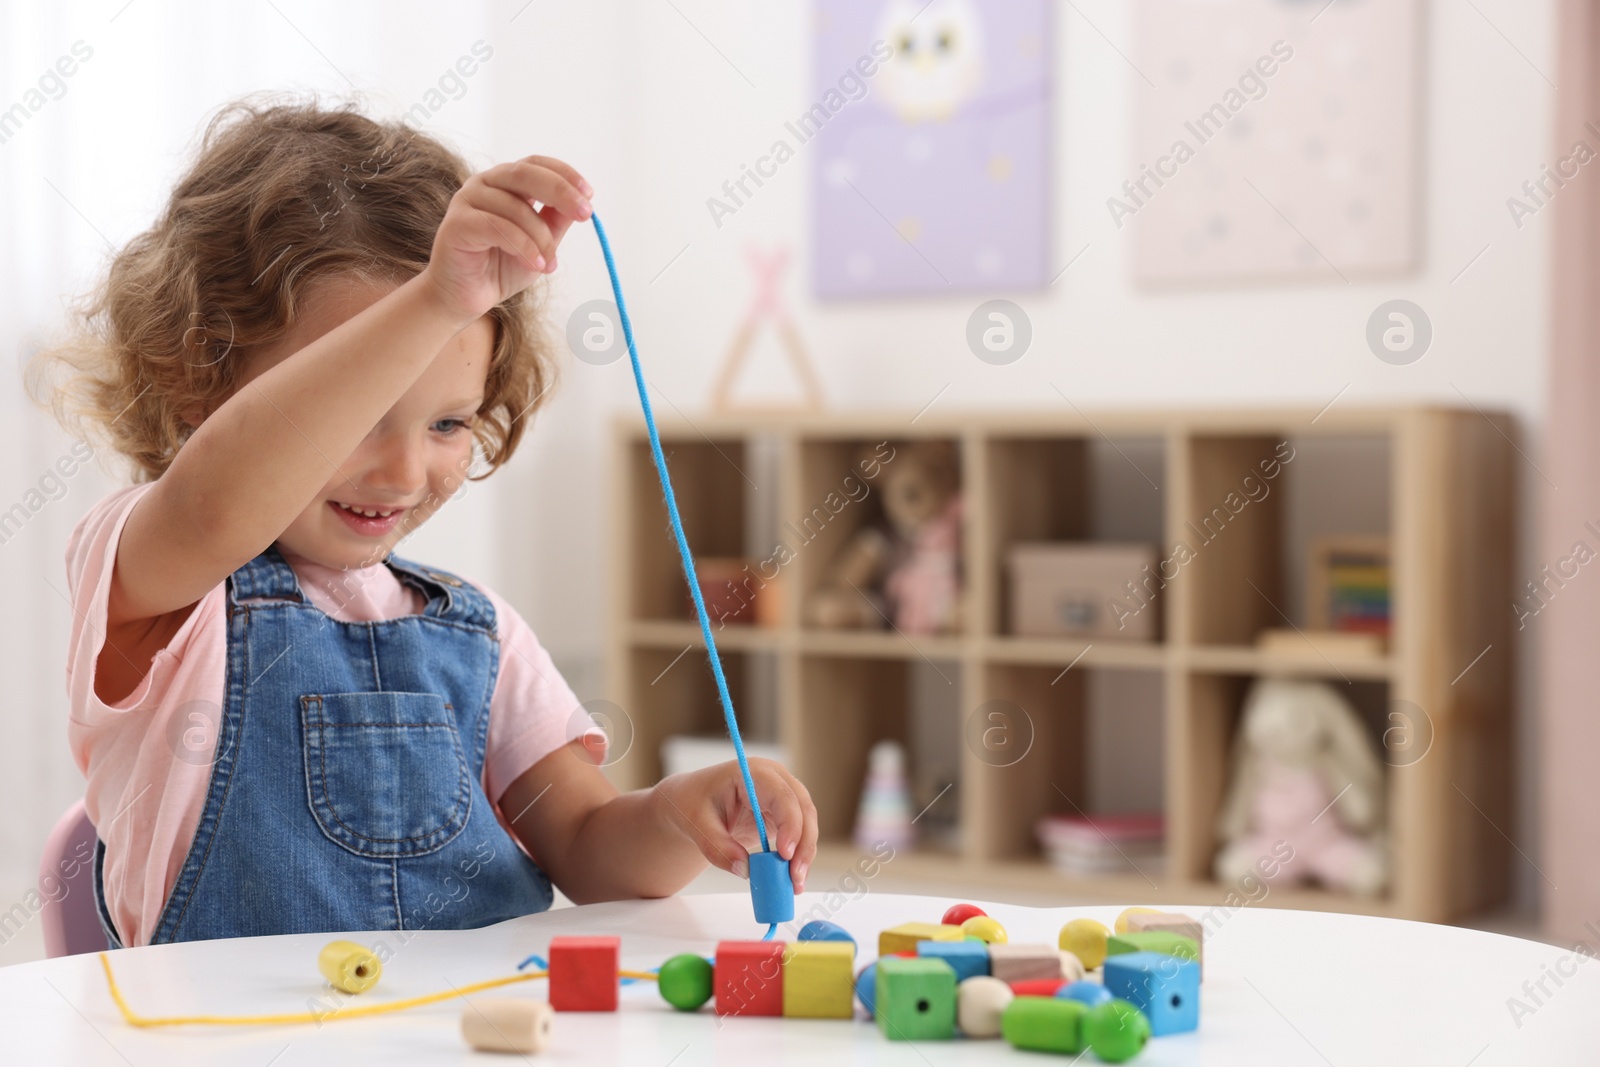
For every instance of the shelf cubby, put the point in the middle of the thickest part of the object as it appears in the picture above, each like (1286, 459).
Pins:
(1118, 725)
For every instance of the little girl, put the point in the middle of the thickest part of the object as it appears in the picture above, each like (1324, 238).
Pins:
(284, 726)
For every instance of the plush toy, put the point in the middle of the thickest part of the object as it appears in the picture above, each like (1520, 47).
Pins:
(909, 570)
(1306, 798)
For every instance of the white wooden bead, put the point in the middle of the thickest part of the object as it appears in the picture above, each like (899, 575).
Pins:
(1071, 966)
(980, 1001)
(506, 1024)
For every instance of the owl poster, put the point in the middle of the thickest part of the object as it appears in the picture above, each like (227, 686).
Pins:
(929, 131)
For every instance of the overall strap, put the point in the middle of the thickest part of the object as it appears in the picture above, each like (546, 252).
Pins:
(268, 576)
(450, 597)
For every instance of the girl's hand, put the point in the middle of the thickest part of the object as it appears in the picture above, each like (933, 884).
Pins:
(493, 243)
(710, 808)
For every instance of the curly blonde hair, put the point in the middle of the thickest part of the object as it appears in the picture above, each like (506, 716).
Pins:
(281, 195)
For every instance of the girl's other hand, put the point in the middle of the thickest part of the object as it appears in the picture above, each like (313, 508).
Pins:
(493, 242)
(710, 808)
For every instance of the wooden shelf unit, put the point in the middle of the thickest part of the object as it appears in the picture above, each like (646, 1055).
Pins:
(1442, 492)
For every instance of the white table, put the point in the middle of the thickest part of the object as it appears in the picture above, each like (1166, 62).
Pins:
(1281, 988)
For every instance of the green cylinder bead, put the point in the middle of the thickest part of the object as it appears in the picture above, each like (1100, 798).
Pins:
(1044, 1024)
(685, 981)
(1116, 1030)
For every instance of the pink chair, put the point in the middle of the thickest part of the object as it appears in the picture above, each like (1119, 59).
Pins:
(69, 917)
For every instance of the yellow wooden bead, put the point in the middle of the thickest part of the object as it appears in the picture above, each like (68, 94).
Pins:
(349, 967)
(904, 938)
(1121, 925)
(1085, 939)
(988, 929)
(818, 980)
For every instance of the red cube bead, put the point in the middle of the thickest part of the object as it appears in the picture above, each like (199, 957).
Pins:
(749, 978)
(1037, 987)
(957, 914)
(583, 973)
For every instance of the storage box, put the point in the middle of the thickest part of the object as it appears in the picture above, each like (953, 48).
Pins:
(1082, 589)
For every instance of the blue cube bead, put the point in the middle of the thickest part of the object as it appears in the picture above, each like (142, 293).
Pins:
(967, 958)
(1165, 988)
(1092, 994)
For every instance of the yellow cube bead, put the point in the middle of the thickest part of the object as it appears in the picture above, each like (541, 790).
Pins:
(988, 929)
(819, 980)
(1121, 925)
(1085, 939)
(904, 938)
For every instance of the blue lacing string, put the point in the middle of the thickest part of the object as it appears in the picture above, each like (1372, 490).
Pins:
(683, 544)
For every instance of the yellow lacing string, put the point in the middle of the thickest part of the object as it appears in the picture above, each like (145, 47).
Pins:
(134, 1019)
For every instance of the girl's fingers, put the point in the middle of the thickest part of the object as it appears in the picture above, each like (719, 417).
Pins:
(483, 231)
(534, 182)
(514, 212)
(564, 169)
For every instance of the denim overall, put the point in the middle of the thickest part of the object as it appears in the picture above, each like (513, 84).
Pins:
(347, 789)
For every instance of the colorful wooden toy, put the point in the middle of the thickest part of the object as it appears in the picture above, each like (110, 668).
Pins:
(748, 977)
(818, 930)
(967, 958)
(1085, 939)
(1044, 1024)
(507, 1024)
(1116, 1030)
(980, 1002)
(685, 981)
(583, 973)
(988, 929)
(1165, 988)
(1163, 941)
(1015, 963)
(916, 1000)
(817, 983)
(1072, 968)
(1175, 923)
(867, 988)
(956, 914)
(904, 938)
(1089, 994)
(349, 967)
(1121, 925)
(1038, 987)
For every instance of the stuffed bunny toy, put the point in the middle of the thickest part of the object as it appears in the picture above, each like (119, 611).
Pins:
(907, 571)
(1305, 775)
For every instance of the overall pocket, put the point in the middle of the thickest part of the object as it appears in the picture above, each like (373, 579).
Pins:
(385, 772)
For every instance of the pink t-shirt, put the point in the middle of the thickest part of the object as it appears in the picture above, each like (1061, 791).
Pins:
(148, 757)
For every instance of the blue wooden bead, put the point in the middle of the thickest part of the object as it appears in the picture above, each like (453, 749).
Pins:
(867, 987)
(1092, 994)
(771, 890)
(1165, 988)
(818, 930)
(967, 958)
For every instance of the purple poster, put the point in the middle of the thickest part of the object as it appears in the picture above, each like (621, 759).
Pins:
(928, 131)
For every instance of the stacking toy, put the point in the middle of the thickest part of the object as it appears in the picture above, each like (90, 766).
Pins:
(967, 958)
(1090, 994)
(1044, 1024)
(349, 967)
(988, 929)
(956, 914)
(867, 987)
(1116, 1030)
(904, 938)
(583, 973)
(748, 978)
(818, 930)
(1121, 925)
(1015, 963)
(816, 980)
(1165, 988)
(916, 999)
(507, 1024)
(685, 981)
(980, 1002)
(1085, 939)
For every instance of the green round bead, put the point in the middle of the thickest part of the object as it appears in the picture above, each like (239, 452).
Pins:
(685, 981)
(1116, 1030)
(1044, 1024)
